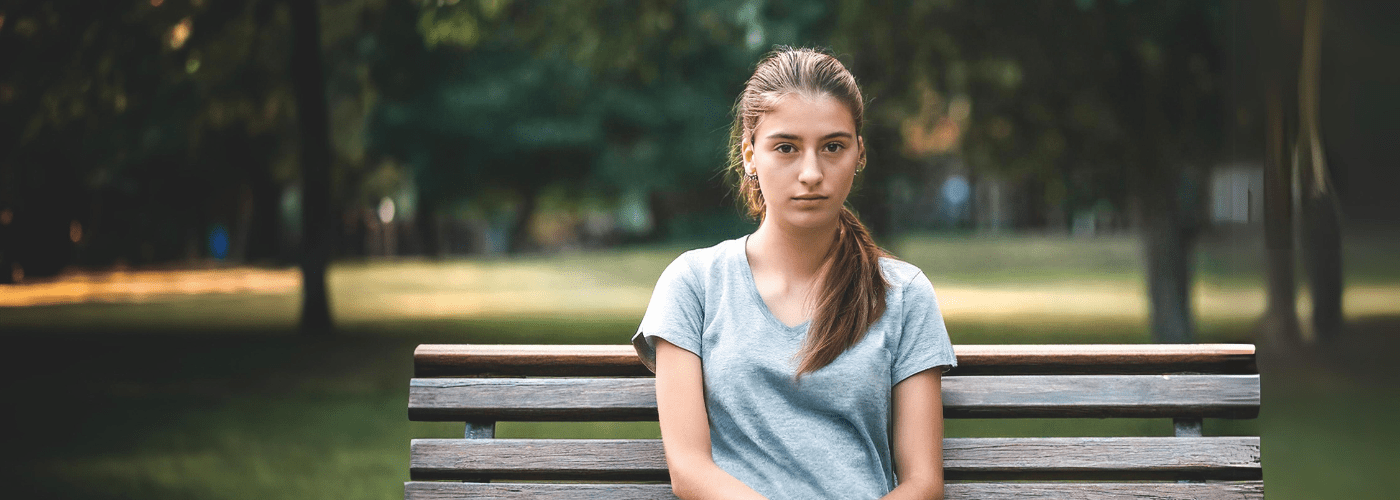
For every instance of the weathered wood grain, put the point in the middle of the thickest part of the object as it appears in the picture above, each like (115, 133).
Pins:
(465, 360)
(569, 399)
(1015, 396)
(1244, 490)
(1101, 396)
(439, 360)
(1123, 458)
(419, 490)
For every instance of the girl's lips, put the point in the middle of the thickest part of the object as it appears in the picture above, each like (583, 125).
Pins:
(809, 198)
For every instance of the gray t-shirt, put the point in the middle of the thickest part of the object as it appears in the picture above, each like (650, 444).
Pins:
(826, 437)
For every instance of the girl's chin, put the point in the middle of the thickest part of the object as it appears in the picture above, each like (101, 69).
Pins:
(809, 220)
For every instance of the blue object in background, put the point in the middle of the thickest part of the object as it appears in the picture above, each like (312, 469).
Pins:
(956, 190)
(218, 241)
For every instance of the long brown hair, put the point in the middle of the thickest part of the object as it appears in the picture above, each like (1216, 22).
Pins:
(853, 294)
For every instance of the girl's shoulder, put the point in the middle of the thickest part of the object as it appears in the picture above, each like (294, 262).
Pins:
(701, 260)
(701, 265)
(713, 253)
(898, 273)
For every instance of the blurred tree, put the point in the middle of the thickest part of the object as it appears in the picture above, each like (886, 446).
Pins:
(314, 119)
(1302, 206)
(1320, 210)
(334, 97)
(1270, 30)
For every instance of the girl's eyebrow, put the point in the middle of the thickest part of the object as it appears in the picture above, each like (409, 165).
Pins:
(793, 137)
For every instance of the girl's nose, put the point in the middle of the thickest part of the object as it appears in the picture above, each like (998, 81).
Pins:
(811, 173)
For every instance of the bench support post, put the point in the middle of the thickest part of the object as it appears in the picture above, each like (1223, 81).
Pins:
(1187, 427)
(480, 430)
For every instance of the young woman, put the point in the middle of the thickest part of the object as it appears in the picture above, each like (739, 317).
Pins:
(798, 362)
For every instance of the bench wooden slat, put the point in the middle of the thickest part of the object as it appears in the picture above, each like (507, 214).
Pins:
(1243, 490)
(1123, 458)
(1017, 396)
(438, 360)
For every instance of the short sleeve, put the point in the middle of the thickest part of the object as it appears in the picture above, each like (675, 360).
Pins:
(923, 342)
(675, 313)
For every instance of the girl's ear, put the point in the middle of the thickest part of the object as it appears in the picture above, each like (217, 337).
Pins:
(746, 153)
(860, 154)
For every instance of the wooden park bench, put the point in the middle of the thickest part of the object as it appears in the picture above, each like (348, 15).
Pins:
(484, 384)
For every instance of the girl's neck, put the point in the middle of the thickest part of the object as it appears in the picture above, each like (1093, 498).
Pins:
(794, 252)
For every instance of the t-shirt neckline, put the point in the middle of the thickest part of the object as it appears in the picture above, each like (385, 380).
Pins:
(752, 285)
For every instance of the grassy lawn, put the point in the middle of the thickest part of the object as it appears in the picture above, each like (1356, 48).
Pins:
(214, 396)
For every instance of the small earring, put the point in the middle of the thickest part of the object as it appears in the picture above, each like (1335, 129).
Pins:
(753, 176)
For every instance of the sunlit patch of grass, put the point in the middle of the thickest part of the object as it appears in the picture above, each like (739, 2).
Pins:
(1021, 259)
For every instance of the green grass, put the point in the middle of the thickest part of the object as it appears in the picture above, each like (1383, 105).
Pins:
(214, 396)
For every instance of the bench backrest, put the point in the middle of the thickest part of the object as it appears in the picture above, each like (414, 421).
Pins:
(484, 384)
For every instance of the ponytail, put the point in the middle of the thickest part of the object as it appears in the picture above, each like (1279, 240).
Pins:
(852, 296)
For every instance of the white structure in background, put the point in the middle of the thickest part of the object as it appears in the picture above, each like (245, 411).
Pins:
(1237, 194)
(992, 209)
(386, 210)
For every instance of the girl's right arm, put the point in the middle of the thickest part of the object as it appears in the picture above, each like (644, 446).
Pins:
(685, 429)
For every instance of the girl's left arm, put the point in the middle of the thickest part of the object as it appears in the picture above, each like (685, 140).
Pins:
(917, 404)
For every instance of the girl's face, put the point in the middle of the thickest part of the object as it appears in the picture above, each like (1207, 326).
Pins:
(805, 153)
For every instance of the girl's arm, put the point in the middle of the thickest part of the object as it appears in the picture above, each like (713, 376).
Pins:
(685, 429)
(918, 436)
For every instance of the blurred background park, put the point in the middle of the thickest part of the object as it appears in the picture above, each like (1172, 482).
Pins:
(224, 225)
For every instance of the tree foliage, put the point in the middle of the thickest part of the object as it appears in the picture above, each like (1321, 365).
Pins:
(596, 96)
(115, 112)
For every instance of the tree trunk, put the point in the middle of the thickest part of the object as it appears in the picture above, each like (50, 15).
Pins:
(1322, 260)
(1167, 244)
(313, 117)
(1280, 326)
(1320, 217)
(1166, 215)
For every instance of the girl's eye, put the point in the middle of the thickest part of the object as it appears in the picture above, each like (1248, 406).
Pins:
(785, 148)
(834, 147)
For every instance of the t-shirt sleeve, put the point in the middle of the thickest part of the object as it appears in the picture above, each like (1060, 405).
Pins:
(675, 313)
(924, 342)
